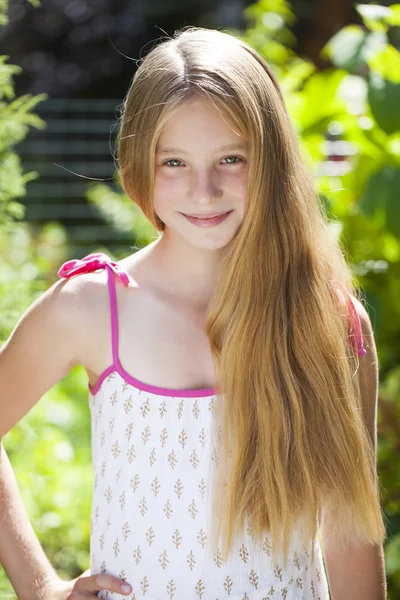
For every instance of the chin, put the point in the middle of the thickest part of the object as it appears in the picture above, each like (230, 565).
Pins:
(212, 242)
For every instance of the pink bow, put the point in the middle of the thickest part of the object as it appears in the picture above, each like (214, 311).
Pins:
(92, 262)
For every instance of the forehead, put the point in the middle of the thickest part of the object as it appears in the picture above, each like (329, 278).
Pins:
(224, 148)
(197, 122)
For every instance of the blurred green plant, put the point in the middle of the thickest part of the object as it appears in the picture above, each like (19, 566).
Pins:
(55, 480)
(353, 103)
(122, 213)
(50, 454)
(348, 124)
(15, 119)
(356, 100)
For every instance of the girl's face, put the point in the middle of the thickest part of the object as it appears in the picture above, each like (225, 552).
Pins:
(201, 168)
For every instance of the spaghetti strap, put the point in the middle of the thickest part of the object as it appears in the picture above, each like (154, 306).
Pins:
(114, 315)
(99, 260)
(355, 324)
(93, 262)
(355, 330)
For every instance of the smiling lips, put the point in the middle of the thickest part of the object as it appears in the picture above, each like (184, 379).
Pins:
(210, 216)
(209, 221)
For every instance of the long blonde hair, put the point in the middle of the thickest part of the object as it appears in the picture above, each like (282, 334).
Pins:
(289, 412)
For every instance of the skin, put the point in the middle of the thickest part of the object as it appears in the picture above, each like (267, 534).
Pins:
(358, 573)
(198, 179)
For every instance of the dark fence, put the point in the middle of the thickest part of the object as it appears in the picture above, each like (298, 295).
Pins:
(79, 137)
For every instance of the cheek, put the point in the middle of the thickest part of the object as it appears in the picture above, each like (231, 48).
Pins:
(166, 189)
(237, 181)
(164, 184)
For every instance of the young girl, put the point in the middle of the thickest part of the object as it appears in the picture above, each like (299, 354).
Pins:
(232, 370)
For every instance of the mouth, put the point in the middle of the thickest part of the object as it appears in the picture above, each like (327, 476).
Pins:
(208, 216)
(207, 221)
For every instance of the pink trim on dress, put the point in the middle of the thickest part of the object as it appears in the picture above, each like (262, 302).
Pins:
(120, 369)
(99, 260)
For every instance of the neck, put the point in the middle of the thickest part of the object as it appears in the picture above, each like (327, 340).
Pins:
(183, 271)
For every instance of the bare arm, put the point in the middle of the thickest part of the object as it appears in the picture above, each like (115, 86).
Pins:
(359, 573)
(44, 346)
(40, 352)
(24, 561)
(21, 554)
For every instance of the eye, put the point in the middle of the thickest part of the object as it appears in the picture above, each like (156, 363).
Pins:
(171, 160)
(237, 158)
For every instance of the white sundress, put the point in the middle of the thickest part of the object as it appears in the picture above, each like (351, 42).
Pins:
(152, 451)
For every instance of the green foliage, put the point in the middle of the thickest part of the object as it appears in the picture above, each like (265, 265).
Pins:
(380, 199)
(367, 51)
(122, 213)
(25, 255)
(384, 100)
(351, 47)
(357, 97)
(268, 30)
(15, 119)
(50, 453)
(4, 8)
(387, 63)
(379, 18)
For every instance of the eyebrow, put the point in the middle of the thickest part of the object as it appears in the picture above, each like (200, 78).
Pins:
(242, 146)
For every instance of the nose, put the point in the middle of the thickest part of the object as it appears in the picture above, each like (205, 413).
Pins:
(204, 188)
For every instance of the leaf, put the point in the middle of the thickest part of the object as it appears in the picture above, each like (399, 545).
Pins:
(394, 18)
(374, 16)
(351, 47)
(392, 550)
(319, 100)
(384, 100)
(393, 205)
(298, 71)
(380, 199)
(387, 63)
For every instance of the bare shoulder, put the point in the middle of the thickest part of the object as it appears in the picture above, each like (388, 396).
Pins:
(79, 290)
(361, 310)
(368, 372)
(82, 305)
(366, 324)
(49, 339)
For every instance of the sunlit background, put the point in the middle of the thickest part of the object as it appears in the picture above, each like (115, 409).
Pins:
(65, 68)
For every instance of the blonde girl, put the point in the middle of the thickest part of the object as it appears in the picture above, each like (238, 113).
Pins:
(232, 368)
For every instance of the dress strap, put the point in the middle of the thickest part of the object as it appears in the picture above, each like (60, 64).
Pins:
(355, 330)
(99, 260)
(93, 262)
(114, 315)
